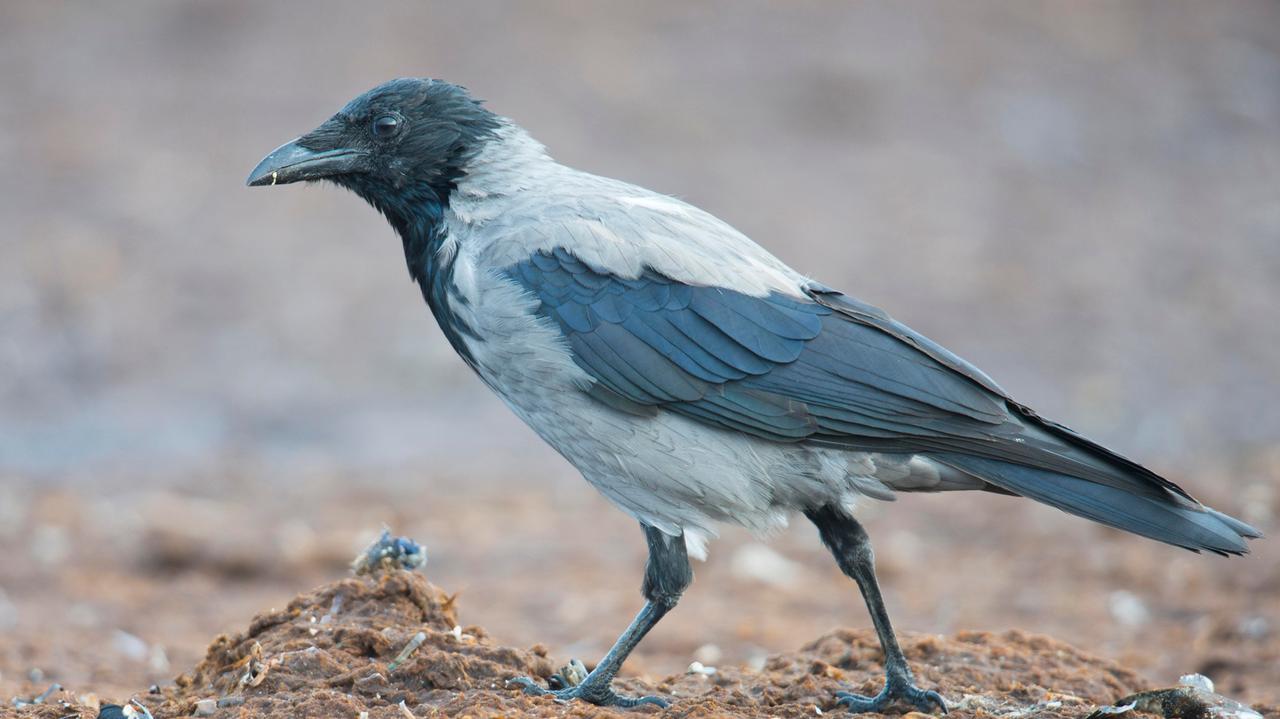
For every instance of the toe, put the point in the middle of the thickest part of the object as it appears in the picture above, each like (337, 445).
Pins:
(857, 702)
(528, 685)
(929, 700)
(628, 702)
(603, 696)
(925, 701)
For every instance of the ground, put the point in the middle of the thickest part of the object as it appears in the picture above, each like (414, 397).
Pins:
(339, 651)
(107, 593)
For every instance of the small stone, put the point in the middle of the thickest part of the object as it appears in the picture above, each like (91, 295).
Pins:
(206, 707)
(1196, 681)
(573, 673)
(699, 668)
(371, 683)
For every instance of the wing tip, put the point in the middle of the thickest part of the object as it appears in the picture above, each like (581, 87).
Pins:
(1230, 535)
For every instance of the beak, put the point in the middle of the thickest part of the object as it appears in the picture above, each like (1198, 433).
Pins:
(292, 162)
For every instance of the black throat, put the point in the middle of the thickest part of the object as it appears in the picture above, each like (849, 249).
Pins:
(417, 211)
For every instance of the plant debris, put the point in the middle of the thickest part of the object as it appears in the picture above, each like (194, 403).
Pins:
(408, 650)
(287, 663)
(388, 553)
(1194, 698)
(39, 698)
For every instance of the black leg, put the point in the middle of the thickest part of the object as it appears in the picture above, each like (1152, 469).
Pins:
(666, 576)
(849, 543)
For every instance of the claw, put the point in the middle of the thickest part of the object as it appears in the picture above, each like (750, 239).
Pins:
(603, 696)
(924, 700)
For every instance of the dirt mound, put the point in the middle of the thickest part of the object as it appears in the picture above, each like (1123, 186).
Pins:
(340, 651)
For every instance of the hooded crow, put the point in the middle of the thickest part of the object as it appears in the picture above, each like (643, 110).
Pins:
(688, 374)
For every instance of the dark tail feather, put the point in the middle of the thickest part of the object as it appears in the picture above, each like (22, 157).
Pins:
(1169, 519)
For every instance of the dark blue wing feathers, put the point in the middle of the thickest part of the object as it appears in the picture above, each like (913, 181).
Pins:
(831, 371)
(783, 367)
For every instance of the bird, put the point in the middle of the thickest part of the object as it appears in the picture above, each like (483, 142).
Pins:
(689, 375)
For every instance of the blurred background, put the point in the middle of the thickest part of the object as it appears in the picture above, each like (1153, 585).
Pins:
(211, 397)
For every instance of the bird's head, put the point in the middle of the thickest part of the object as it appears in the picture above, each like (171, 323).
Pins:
(401, 146)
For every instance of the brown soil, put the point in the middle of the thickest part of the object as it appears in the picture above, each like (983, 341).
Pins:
(332, 653)
(110, 591)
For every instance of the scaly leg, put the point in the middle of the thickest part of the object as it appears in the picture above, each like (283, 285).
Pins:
(849, 543)
(665, 577)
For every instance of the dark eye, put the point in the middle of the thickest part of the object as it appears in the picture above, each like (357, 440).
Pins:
(386, 126)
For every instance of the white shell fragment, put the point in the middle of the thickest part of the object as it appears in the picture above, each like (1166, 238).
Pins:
(1196, 681)
(700, 668)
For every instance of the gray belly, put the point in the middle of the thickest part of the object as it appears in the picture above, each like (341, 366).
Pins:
(666, 470)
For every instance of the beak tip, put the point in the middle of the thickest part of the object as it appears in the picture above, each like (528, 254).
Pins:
(266, 173)
(293, 163)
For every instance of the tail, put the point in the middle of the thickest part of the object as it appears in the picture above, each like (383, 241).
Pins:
(1130, 501)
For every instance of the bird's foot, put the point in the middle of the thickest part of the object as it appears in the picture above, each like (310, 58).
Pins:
(595, 692)
(896, 686)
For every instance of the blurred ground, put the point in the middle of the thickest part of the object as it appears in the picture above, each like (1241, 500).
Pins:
(115, 591)
(391, 645)
(210, 397)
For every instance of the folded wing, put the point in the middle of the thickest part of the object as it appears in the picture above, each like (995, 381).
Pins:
(821, 368)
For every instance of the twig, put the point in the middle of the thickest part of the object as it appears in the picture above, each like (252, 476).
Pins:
(20, 702)
(408, 651)
(46, 693)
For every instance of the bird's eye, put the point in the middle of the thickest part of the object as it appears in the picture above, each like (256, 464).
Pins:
(385, 126)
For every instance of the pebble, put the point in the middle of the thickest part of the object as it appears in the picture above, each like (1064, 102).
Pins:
(1196, 681)
(699, 668)
(206, 707)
